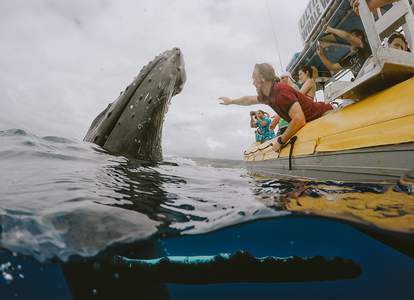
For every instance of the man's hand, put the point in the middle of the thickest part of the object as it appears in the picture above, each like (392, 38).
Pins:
(354, 5)
(319, 49)
(226, 101)
(274, 122)
(276, 146)
(326, 28)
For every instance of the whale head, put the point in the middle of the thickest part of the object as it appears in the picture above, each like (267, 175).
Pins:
(132, 124)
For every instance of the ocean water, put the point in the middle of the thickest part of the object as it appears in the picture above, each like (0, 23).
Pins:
(68, 207)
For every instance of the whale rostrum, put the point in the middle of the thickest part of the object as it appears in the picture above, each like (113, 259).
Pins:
(132, 124)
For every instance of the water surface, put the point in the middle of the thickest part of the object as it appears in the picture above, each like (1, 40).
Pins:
(67, 204)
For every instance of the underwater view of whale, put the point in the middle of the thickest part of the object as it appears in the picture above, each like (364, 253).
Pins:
(240, 266)
(132, 124)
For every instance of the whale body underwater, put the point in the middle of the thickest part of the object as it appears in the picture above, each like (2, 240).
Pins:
(132, 124)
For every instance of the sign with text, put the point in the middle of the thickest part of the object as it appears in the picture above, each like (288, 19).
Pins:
(310, 18)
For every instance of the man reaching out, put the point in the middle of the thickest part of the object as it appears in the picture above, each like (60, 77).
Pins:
(288, 103)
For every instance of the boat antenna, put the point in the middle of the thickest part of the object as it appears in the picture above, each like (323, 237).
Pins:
(274, 34)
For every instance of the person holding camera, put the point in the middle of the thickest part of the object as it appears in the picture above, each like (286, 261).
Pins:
(257, 132)
(260, 121)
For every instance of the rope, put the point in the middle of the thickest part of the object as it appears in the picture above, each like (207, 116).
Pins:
(274, 34)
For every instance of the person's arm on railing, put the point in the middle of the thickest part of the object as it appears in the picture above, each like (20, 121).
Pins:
(372, 4)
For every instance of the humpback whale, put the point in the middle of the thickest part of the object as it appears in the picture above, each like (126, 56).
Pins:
(132, 124)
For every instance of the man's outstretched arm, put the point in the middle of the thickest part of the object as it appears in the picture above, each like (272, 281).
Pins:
(246, 100)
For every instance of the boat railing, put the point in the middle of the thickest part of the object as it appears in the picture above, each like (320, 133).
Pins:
(390, 66)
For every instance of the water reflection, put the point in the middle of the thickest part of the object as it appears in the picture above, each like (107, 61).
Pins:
(141, 188)
(385, 206)
(384, 212)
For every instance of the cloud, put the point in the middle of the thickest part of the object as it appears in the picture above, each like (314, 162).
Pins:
(62, 63)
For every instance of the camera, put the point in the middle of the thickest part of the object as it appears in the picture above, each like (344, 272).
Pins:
(252, 113)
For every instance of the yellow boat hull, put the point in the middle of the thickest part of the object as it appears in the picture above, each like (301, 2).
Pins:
(372, 139)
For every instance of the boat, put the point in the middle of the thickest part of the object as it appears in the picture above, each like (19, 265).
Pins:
(370, 136)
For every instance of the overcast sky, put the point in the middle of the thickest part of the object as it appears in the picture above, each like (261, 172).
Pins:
(62, 62)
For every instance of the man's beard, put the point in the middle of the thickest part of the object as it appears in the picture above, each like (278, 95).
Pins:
(259, 89)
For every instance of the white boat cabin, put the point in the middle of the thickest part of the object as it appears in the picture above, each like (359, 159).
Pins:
(390, 66)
